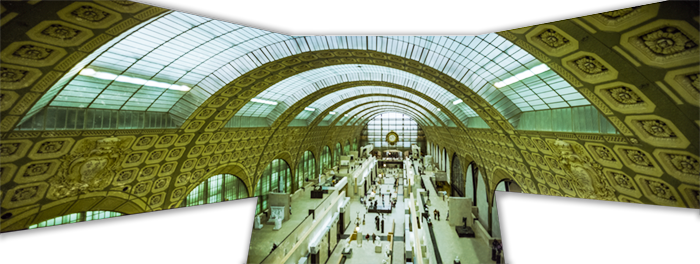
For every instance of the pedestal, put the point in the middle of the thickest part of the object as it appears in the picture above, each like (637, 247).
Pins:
(378, 248)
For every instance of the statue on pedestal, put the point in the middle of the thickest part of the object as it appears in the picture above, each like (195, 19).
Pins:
(257, 225)
(278, 224)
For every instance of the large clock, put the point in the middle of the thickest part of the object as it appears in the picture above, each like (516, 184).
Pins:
(392, 137)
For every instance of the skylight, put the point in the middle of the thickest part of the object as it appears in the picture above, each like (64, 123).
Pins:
(132, 80)
(263, 101)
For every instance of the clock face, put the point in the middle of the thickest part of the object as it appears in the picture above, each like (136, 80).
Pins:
(392, 137)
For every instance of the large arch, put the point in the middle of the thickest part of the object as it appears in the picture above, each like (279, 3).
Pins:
(99, 201)
(367, 115)
(277, 176)
(306, 169)
(482, 200)
(349, 114)
(504, 183)
(361, 106)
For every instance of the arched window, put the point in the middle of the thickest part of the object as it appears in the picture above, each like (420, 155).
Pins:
(354, 144)
(336, 154)
(346, 148)
(77, 217)
(277, 177)
(325, 158)
(222, 187)
(306, 168)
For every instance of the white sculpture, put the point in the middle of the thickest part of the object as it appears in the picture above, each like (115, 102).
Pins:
(258, 225)
(278, 224)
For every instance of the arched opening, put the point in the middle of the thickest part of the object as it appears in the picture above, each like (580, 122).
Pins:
(306, 169)
(444, 159)
(76, 218)
(218, 188)
(336, 154)
(325, 159)
(276, 177)
(457, 176)
(354, 144)
(503, 186)
(346, 148)
(470, 184)
(482, 202)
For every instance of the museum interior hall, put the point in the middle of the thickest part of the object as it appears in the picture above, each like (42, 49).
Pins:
(358, 149)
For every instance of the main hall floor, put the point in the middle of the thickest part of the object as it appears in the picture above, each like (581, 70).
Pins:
(447, 243)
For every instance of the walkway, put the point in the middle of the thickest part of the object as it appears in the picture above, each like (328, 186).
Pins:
(469, 250)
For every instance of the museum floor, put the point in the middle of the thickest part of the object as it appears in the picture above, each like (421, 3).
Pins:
(449, 245)
(261, 240)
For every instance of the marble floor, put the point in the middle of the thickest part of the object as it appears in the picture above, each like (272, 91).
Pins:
(449, 245)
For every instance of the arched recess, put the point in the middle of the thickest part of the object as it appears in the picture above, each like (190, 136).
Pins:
(306, 169)
(217, 188)
(504, 185)
(98, 201)
(470, 184)
(325, 159)
(346, 148)
(336, 154)
(445, 163)
(448, 167)
(458, 182)
(436, 157)
(233, 168)
(482, 200)
(276, 177)
(76, 218)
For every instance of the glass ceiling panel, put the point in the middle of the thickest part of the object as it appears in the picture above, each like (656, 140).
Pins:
(329, 100)
(384, 101)
(197, 56)
(369, 113)
(294, 88)
(374, 109)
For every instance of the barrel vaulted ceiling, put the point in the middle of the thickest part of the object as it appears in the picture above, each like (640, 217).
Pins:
(637, 67)
(175, 61)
